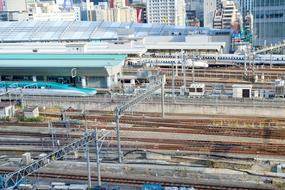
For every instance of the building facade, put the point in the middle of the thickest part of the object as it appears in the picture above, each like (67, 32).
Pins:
(170, 12)
(230, 14)
(210, 7)
(141, 13)
(194, 12)
(117, 14)
(1, 5)
(245, 7)
(268, 21)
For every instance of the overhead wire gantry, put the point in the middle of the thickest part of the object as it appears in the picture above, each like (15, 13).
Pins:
(157, 84)
(13, 179)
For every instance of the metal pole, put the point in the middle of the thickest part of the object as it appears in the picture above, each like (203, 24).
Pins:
(87, 151)
(51, 130)
(88, 163)
(10, 101)
(245, 66)
(22, 99)
(120, 156)
(98, 158)
(184, 71)
(162, 95)
(271, 58)
(173, 81)
(193, 80)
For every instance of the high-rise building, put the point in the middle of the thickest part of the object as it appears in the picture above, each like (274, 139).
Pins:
(245, 7)
(49, 10)
(230, 14)
(210, 6)
(170, 12)
(141, 13)
(116, 14)
(268, 21)
(227, 17)
(67, 4)
(194, 12)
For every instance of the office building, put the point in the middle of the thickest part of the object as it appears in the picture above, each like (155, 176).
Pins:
(141, 13)
(227, 16)
(194, 12)
(45, 11)
(210, 7)
(170, 12)
(269, 21)
(116, 14)
(230, 14)
(245, 7)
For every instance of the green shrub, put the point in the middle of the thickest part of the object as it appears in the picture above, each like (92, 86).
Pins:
(31, 119)
(7, 118)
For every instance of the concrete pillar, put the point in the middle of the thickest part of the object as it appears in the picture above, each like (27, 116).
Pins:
(262, 77)
(116, 78)
(83, 81)
(109, 82)
(34, 78)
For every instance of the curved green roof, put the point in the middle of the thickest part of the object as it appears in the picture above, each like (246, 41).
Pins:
(60, 60)
(37, 56)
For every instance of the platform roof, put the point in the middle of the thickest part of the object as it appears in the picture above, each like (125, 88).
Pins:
(60, 60)
(32, 31)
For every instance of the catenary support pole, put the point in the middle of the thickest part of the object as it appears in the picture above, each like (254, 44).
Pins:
(162, 95)
(118, 137)
(87, 149)
(98, 158)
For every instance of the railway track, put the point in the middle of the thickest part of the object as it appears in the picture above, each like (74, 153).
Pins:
(263, 133)
(172, 145)
(157, 126)
(154, 117)
(140, 181)
(189, 126)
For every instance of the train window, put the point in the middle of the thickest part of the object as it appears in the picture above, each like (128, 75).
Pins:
(191, 89)
(199, 90)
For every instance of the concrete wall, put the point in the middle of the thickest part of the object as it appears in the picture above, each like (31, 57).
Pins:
(251, 110)
(153, 39)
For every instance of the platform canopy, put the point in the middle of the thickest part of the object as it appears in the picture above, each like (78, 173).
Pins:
(61, 64)
(46, 31)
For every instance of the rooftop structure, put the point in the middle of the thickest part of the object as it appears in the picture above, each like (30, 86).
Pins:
(47, 31)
